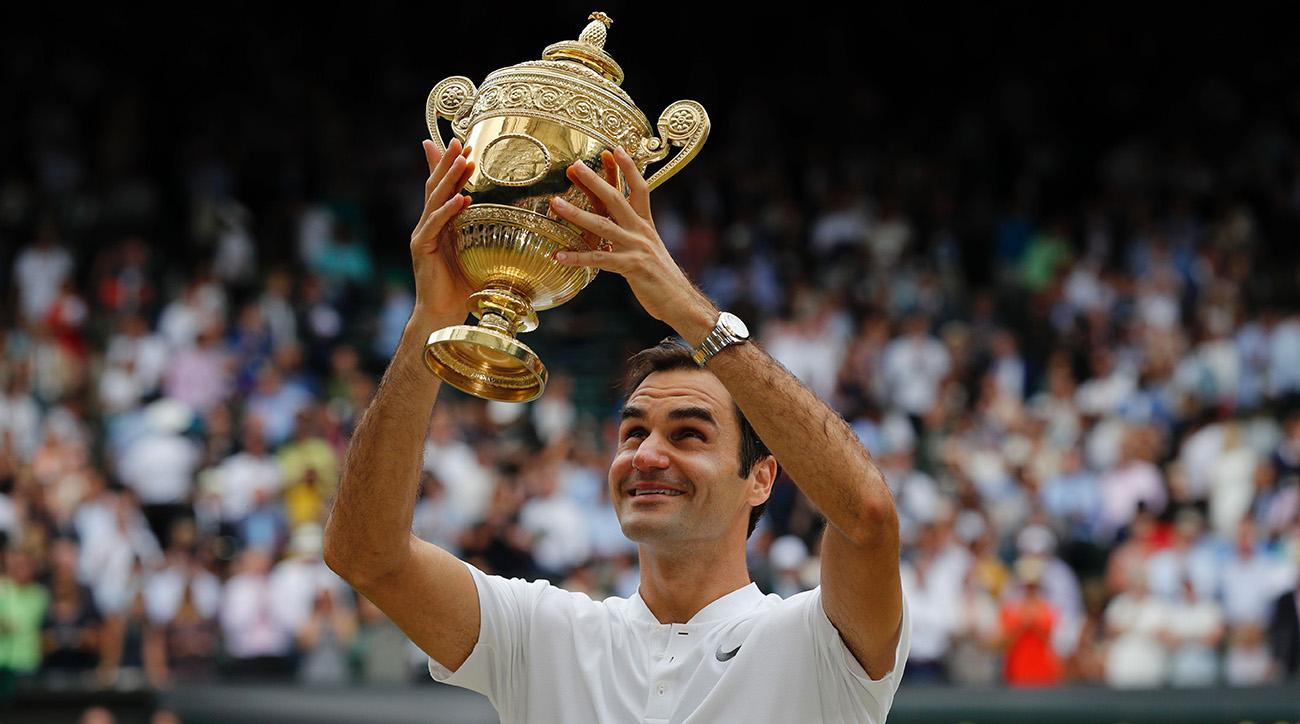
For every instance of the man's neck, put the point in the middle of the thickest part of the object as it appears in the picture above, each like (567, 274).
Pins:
(676, 585)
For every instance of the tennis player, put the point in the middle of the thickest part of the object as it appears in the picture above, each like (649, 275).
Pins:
(698, 443)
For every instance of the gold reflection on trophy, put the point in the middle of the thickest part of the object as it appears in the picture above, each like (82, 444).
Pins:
(527, 124)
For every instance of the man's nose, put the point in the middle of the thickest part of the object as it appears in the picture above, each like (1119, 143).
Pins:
(650, 454)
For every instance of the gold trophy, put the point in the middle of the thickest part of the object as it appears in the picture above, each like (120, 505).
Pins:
(527, 124)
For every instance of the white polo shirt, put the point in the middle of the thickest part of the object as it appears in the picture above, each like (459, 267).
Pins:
(547, 655)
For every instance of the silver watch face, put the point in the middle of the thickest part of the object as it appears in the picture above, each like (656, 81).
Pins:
(734, 326)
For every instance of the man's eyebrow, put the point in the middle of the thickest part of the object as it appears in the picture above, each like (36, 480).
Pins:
(631, 411)
(693, 413)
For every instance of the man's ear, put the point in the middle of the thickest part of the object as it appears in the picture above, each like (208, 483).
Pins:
(762, 476)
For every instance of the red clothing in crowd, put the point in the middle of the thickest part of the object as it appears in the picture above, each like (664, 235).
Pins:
(1027, 629)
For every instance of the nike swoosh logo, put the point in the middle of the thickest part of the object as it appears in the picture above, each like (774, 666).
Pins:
(726, 655)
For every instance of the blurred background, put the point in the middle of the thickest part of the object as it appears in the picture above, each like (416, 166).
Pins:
(1046, 261)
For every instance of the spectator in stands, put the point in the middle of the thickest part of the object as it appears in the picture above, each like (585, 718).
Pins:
(1195, 630)
(1027, 626)
(23, 603)
(1253, 577)
(242, 476)
(325, 640)
(1192, 555)
(71, 632)
(435, 520)
(277, 403)
(160, 465)
(380, 646)
(258, 641)
(200, 374)
(39, 273)
(1134, 479)
(182, 577)
(975, 657)
(930, 583)
(1284, 633)
(1137, 657)
(554, 521)
(1247, 662)
(192, 641)
(914, 364)
(310, 468)
(296, 581)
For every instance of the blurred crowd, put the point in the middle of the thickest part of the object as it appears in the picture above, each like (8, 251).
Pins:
(1084, 394)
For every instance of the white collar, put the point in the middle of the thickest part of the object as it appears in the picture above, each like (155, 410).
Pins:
(734, 604)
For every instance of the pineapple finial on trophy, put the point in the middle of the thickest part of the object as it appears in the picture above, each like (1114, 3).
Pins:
(597, 30)
(589, 48)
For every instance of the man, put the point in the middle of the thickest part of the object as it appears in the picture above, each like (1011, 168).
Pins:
(698, 642)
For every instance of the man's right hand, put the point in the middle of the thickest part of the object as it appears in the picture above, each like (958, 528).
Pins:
(441, 290)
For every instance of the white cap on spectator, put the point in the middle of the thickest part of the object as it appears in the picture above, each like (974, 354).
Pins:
(969, 526)
(308, 541)
(897, 434)
(504, 413)
(788, 553)
(168, 416)
(1036, 540)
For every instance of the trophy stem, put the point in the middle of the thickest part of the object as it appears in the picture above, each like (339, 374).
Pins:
(485, 359)
(503, 309)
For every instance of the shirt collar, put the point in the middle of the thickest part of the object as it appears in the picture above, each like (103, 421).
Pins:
(734, 604)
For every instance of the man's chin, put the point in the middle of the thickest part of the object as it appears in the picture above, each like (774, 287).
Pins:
(640, 528)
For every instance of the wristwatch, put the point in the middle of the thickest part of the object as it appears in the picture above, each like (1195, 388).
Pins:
(728, 331)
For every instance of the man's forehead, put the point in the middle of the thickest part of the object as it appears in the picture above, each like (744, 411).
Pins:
(681, 387)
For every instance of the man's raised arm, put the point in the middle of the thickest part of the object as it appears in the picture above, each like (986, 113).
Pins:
(861, 589)
(426, 591)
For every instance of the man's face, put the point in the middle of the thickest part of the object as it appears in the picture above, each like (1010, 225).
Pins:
(679, 432)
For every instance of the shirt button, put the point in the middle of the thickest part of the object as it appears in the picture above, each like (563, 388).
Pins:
(662, 689)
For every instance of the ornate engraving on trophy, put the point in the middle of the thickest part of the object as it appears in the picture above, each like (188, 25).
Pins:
(515, 159)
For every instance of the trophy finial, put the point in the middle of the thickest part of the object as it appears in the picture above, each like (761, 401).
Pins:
(589, 48)
(597, 30)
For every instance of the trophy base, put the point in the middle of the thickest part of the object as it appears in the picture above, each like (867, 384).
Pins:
(485, 363)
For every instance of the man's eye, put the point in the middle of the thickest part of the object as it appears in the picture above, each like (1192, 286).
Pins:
(689, 431)
(634, 432)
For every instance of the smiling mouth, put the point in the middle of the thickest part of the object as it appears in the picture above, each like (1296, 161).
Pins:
(661, 493)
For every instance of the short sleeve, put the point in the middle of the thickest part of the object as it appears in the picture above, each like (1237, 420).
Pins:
(828, 639)
(497, 665)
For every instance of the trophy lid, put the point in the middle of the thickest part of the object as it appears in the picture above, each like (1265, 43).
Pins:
(589, 49)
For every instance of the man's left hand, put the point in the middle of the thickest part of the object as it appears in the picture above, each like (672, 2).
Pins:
(634, 249)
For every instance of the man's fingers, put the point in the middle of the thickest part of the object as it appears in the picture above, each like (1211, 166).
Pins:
(608, 171)
(615, 204)
(442, 167)
(439, 217)
(639, 199)
(447, 184)
(599, 225)
(604, 260)
(432, 155)
(435, 188)
(597, 206)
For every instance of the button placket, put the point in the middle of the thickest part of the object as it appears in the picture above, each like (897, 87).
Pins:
(661, 687)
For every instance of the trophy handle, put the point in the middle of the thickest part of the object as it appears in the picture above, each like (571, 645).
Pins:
(684, 124)
(451, 99)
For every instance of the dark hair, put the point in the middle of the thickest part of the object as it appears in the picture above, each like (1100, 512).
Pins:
(669, 355)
